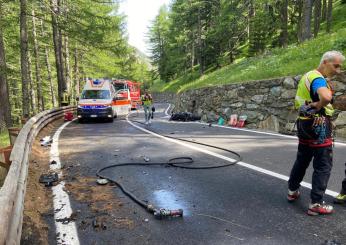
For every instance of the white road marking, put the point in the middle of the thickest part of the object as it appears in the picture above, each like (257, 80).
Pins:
(247, 165)
(257, 132)
(166, 111)
(62, 207)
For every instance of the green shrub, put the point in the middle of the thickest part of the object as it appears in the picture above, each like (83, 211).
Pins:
(4, 139)
(340, 44)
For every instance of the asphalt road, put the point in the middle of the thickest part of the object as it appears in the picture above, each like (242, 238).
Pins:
(233, 205)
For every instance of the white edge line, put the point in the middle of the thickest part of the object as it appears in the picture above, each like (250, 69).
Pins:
(254, 131)
(258, 169)
(166, 111)
(61, 200)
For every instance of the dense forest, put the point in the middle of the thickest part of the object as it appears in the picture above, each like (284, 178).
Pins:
(198, 36)
(48, 47)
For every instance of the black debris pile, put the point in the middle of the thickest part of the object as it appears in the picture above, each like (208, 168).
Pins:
(184, 117)
(49, 179)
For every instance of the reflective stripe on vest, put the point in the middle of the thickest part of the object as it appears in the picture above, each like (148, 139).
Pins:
(303, 91)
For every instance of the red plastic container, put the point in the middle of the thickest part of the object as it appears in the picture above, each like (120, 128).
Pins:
(68, 116)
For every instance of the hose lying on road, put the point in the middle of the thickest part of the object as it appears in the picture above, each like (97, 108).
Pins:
(178, 162)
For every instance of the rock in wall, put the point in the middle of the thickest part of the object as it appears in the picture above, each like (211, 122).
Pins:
(268, 104)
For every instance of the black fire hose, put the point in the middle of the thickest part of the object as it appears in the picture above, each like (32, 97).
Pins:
(178, 162)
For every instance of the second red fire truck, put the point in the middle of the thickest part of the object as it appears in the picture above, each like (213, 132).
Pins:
(122, 86)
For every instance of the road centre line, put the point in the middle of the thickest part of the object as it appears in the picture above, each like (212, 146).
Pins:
(247, 165)
(61, 200)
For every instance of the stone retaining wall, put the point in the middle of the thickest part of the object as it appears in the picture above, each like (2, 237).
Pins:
(268, 104)
(165, 97)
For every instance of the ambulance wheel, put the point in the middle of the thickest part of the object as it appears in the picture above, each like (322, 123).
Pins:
(80, 120)
(111, 120)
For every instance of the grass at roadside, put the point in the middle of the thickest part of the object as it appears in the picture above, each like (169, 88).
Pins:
(4, 139)
(293, 60)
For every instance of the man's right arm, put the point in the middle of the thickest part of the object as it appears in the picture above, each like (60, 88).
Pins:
(325, 96)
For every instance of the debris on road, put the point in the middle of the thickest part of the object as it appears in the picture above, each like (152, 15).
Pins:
(146, 159)
(102, 181)
(46, 141)
(53, 162)
(59, 209)
(98, 224)
(184, 116)
(67, 220)
(48, 179)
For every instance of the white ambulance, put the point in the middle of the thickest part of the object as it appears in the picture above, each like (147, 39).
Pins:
(100, 100)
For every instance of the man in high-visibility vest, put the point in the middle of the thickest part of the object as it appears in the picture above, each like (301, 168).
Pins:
(65, 99)
(147, 101)
(314, 100)
(341, 198)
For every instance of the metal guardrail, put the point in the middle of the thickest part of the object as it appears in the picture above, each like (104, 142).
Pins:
(12, 193)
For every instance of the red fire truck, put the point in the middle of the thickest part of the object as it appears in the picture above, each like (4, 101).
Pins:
(133, 87)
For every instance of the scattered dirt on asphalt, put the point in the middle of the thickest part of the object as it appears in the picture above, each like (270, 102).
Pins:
(101, 202)
(38, 199)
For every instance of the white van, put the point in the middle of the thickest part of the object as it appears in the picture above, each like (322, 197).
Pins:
(99, 100)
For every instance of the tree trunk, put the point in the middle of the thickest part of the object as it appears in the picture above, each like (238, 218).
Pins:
(49, 68)
(24, 59)
(58, 50)
(193, 50)
(324, 10)
(306, 20)
(40, 100)
(82, 78)
(33, 103)
(49, 74)
(284, 20)
(67, 66)
(317, 17)
(329, 15)
(5, 108)
(300, 20)
(199, 43)
(251, 14)
(75, 76)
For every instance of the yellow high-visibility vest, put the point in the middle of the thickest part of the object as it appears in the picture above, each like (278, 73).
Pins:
(303, 91)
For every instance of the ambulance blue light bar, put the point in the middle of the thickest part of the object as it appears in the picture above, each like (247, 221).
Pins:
(97, 82)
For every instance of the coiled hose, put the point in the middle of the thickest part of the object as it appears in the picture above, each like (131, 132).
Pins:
(178, 162)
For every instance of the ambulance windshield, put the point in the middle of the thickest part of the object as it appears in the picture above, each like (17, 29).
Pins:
(96, 94)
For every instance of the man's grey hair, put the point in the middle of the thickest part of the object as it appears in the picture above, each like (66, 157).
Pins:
(331, 55)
